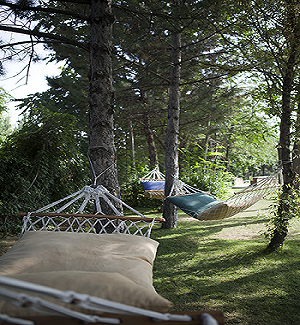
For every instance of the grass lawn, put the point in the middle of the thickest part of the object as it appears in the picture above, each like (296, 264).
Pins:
(222, 265)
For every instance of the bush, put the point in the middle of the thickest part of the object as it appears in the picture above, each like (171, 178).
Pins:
(208, 176)
(40, 163)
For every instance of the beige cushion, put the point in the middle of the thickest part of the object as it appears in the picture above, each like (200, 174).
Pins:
(117, 267)
(129, 255)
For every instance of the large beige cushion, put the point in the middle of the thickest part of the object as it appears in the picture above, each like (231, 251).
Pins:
(131, 256)
(117, 267)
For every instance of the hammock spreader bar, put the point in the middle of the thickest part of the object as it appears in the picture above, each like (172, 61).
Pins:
(55, 220)
(203, 206)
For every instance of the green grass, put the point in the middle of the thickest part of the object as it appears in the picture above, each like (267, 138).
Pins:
(223, 265)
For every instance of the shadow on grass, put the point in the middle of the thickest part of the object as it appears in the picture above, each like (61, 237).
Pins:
(199, 229)
(236, 276)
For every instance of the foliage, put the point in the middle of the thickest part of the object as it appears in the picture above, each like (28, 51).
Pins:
(68, 94)
(280, 220)
(5, 127)
(41, 162)
(229, 126)
(206, 175)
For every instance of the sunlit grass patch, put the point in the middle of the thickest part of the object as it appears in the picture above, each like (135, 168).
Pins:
(200, 266)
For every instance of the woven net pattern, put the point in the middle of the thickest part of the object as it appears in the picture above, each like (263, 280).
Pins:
(242, 200)
(155, 194)
(52, 218)
(239, 202)
(87, 224)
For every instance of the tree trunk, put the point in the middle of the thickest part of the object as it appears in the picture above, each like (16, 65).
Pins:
(172, 134)
(207, 139)
(283, 215)
(281, 229)
(296, 150)
(102, 152)
(150, 140)
(131, 142)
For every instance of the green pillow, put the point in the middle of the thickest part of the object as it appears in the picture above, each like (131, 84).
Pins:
(193, 204)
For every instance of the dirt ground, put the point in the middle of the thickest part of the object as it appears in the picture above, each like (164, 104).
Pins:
(6, 243)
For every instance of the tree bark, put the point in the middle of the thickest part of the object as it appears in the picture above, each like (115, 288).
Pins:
(150, 140)
(281, 229)
(102, 152)
(131, 142)
(296, 151)
(170, 212)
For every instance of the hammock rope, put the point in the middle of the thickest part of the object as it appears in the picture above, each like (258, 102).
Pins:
(202, 206)
(181, 188)
(42, 219)
(29, 299)
(154, 184)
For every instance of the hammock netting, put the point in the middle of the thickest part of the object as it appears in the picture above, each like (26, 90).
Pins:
(203, 206)
(34, 297)
(154, 184)
(52, 218)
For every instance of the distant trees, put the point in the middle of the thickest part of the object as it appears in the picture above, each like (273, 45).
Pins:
(5, 127)
(159, 59)
(263, 38)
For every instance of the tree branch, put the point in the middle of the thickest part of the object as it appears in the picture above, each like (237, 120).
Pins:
(47, 10)
(45, 36)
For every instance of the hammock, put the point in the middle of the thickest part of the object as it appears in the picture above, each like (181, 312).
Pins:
(203, 206)
(154, 184)
(64, 270)
(34, 297)
(88, 197)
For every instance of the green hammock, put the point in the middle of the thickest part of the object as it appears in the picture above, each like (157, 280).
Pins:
(203, 206)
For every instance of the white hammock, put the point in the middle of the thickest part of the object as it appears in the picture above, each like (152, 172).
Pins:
(203, 206)
(79, 221)
(31, 298)
(154, 184)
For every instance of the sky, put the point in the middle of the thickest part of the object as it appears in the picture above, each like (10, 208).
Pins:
(14, 84)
